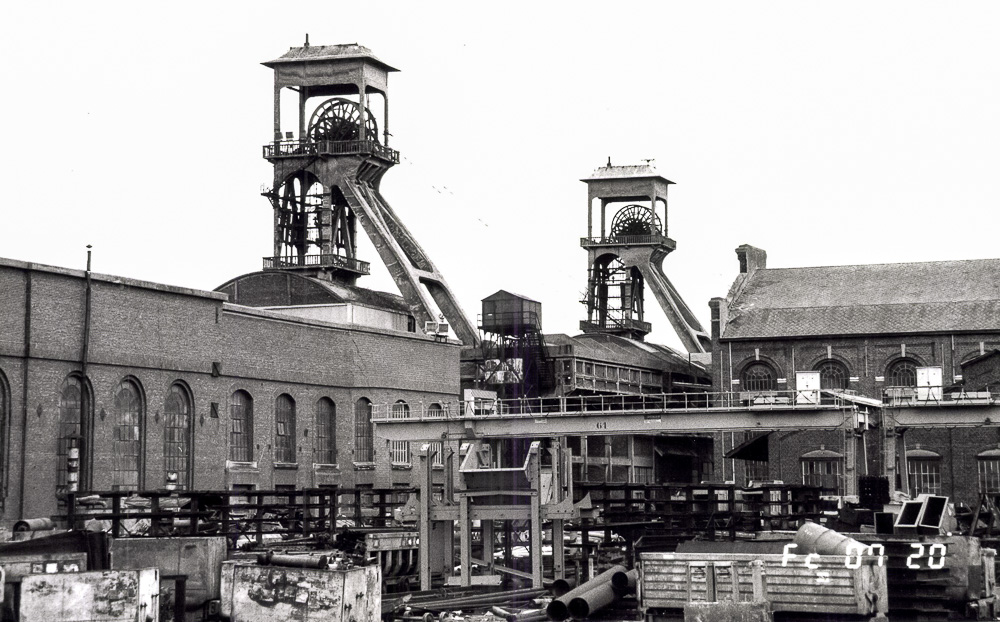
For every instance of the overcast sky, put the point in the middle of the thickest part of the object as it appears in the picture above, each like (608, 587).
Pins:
(825, 133)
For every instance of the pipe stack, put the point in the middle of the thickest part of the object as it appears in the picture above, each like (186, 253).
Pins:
(621, 583)
(559, 608)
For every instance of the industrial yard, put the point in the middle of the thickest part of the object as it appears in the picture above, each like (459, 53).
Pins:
(294, 444)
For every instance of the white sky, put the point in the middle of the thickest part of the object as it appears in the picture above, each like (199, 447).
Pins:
(825, 133)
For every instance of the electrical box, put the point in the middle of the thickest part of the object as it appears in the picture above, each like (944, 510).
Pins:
(929, 384)
(807, 387)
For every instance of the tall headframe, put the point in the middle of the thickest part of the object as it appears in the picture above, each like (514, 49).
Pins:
(628, 253)
(327, 176)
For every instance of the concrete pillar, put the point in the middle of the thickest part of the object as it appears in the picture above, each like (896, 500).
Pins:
(465, 531)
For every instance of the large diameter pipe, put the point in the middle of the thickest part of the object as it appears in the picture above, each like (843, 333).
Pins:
(624, 582)
(813, 538)
(558, 609)
(593, 600)
(561, 586)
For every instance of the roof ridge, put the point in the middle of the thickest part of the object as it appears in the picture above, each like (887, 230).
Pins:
(908, 303)
(888, 263)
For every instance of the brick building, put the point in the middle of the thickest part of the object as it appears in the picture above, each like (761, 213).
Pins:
(150, 379)
(867, 330)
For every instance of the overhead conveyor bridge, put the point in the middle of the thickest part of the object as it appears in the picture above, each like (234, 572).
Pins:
(617, 414)
(677, 413)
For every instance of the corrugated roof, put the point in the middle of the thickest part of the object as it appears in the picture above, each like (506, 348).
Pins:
(934, 296)
(622, 350)
(620, 172)
(328, 52)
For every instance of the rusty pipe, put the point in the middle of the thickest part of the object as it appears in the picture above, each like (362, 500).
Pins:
(293, 561)
(489, 598)
(558, 609)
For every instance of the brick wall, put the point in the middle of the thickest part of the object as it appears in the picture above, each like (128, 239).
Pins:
(867, 360)
(159, 335)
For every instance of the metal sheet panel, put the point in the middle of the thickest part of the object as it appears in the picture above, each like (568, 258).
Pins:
(198, 558)
(268, 593)
(105, 596)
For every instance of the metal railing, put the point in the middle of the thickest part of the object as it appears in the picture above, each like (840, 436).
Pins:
(596, 404)
(509, 320)
(299, 148)
(316, 261)
(244, 517)
(655, 238)
(616, 324)
(935, 395)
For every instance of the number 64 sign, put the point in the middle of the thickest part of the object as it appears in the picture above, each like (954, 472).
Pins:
(935, 555)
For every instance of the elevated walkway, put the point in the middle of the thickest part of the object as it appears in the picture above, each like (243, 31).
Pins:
(679, 413)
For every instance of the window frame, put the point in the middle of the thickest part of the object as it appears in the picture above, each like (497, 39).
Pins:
(399, 451)
(990, 459)
(822, 466)
(926, 478)
(364, 432)
(839, 368)
(325, 451)
(751, 382)
(137, 429)
(285, 439)
(184, 440)
(241, 443)
(894, 369)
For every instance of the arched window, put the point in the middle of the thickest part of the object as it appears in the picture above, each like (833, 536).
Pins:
(284, 430)
(178, 428)
(833, 375)
(364, 449)
(923, 469)
(4, 419)
(989, 471)
(326, 431)
(400, 450)
(126, 446)
(74, 410)
(902, 373)
(241, 430)
(823, 468)
(758, 377)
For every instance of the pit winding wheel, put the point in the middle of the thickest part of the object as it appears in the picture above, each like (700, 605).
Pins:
(337, 118)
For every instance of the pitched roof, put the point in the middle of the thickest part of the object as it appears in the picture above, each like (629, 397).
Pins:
(939, 296)
(625, 172)
(340, 51)
(624, 351)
